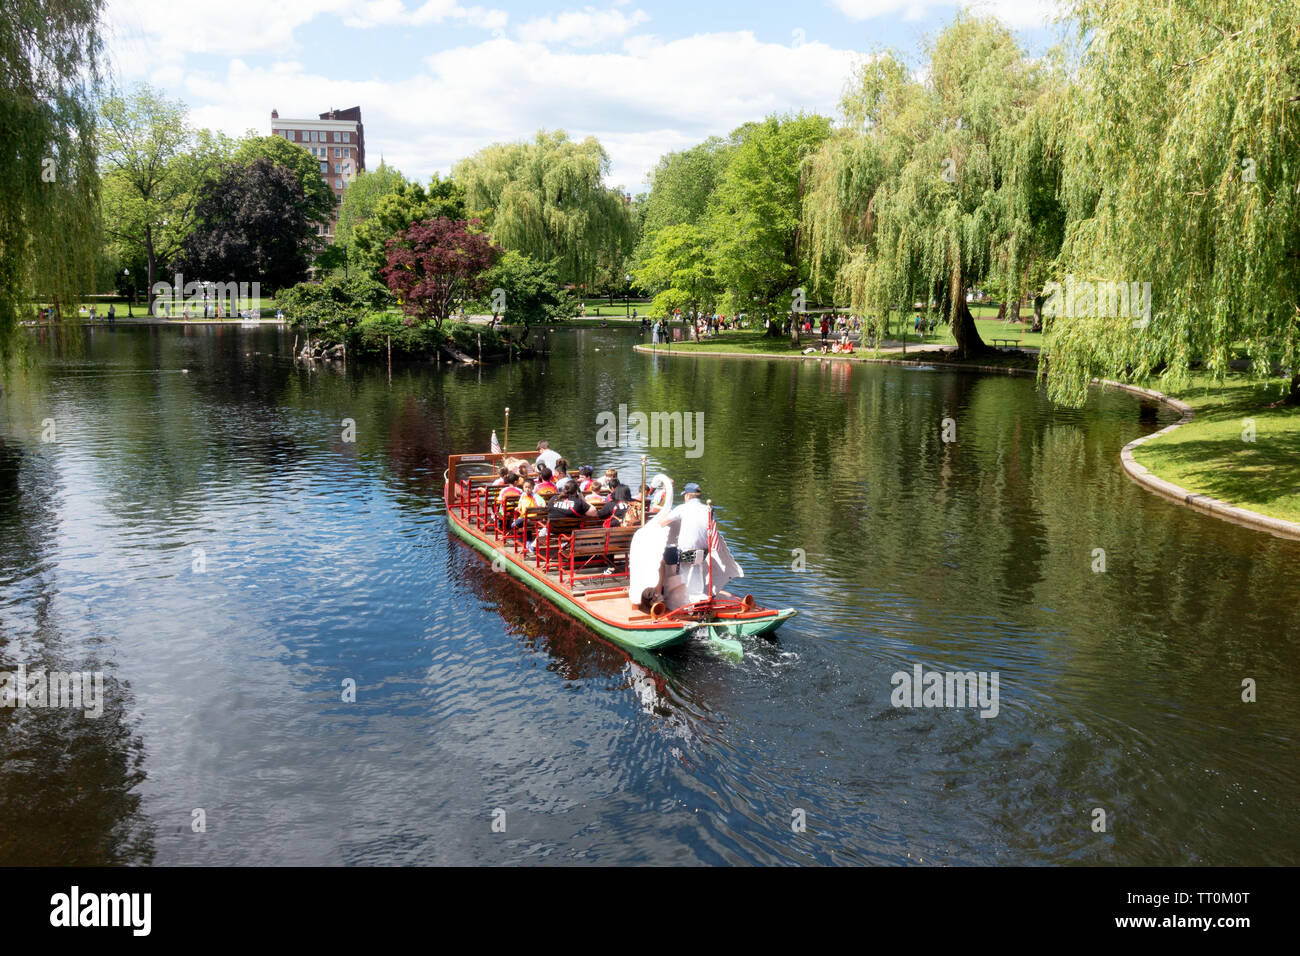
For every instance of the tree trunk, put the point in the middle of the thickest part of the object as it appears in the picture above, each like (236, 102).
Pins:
(1015, 311)
(964, 330)
(1293, 398)
(1038, 313)
(1002, 310)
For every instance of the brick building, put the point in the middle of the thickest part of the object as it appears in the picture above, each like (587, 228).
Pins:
(337, 140)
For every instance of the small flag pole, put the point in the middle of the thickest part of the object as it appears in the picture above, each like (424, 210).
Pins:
(708, 556)
(643, 512)
(506, 445)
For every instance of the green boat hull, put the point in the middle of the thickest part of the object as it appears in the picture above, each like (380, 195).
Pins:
(723, 636)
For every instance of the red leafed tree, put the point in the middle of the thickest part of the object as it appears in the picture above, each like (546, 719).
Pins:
(433, 263)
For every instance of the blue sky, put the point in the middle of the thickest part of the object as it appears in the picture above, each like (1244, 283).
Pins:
(438, 79)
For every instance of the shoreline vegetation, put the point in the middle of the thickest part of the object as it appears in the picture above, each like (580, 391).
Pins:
(1239, 446)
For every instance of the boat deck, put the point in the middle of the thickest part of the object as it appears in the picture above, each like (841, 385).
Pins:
(606, 596)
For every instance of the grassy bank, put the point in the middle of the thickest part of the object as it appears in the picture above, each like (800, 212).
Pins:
(751, 342)
(1212, 455)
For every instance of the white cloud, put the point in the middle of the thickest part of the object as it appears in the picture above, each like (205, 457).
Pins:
(640, 101)
(1018, 14)
(584, 28)
(147, 34)
(373, 13)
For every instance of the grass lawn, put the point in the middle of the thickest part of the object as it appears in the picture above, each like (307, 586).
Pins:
(599, 307)
(1210, 455)
(989, 328)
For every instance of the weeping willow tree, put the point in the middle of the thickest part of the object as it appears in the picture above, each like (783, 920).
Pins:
(926, 189)
(1182, 171)
(49, 190)
(547, 199)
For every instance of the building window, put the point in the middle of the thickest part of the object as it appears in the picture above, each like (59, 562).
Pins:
(337, 152)
(347, 137)
(338, 184)
(324, 169)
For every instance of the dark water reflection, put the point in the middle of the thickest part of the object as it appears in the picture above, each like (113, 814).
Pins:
(325, 561)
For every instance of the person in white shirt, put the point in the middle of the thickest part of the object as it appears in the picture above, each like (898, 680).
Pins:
(692, 520)
(545, 456)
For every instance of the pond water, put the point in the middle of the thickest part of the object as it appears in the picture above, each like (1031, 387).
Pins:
(196, 528)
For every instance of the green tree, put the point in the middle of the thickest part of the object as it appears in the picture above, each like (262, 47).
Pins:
(49, 185)
(752, 223)
(362, 197)
(547, 199)
(333, 309)
(1182, 165)
(681, 185)
(395, 211)
(252, 226)
(531, 290)
(154, 165)
(318, 198)
(678, 270)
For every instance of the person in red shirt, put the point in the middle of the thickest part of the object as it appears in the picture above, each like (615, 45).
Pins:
(545, 487)
(509, 491)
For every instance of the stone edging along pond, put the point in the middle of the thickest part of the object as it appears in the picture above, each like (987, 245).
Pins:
(1135, 470)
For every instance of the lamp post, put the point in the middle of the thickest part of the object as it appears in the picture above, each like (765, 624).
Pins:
(627, 293)
(130, 298)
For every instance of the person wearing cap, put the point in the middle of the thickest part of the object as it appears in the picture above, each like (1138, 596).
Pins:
(692, 520)
(584, 480)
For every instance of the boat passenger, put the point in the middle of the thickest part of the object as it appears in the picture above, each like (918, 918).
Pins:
(585, 481)
(567, 503)
(501, 477)
(509, 490)
(610, 481)
(528, 499)
(561, 474)
(545, 486)
(545, 456)
(614, 510)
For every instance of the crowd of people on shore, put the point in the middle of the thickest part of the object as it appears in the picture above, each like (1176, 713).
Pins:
(699, 324)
